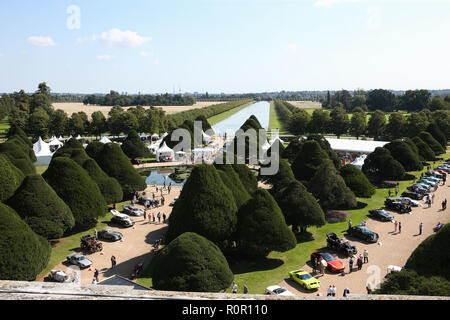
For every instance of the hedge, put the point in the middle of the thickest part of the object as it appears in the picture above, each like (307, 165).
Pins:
(10, 178)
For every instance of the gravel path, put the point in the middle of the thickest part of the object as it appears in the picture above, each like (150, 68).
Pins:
(394, 248)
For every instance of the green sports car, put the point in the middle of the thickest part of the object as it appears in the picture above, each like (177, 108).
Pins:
(304, 279)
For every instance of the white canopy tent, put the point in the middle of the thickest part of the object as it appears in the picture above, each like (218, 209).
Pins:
(155, 136)
(359, 162)
(105, 140)
(55, 144)
(41, 148)
(165, 154)
(79, 137)
(357, 146)
(144, 136)
(61, 139)
(266, 146)
(206, 137)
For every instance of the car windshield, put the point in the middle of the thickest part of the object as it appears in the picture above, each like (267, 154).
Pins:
(305, 276)
(279, 290)
(383, 212)
(327, 256)
(364, 229)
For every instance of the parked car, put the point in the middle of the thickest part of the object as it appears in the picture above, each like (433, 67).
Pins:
(304, 279)
(413, 195)
(433, 177)
(79, 260)
(363, 233)
(398, 206)
(381, 214)
(428, 182)
(419, 189)
(58, 276)
(143, 200)
(133, 211)
(110, 234)
(411, 202)
(122, 220)
(278, 291)
(333, 263)
(340, 244)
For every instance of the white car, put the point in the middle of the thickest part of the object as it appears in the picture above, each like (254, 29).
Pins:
(279, 291)
(413, 203)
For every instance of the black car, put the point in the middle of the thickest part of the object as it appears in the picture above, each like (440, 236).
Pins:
(340, 244)
(413, 195)
(381, 215)
(419, 189)
(109, 234)
(398, 206)
(363, 233)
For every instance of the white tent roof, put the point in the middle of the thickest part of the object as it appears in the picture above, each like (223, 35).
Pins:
(359, 162)
(55, 142)
(41, 148)
(265, 146)
(79, 137)
(362, 146)
(275, 139)
(61, 138)
(105, 140)
(155, 136)
(143, 135)
(164, 149)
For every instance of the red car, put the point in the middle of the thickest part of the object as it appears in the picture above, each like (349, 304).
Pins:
(333, 264)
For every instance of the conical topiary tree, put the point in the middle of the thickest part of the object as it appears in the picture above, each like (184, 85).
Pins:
(116, 164)
(109, 187)
(68, 148)
(382, 165)
(357, 181)
(10, 178)
(41, 208)
(24, 146)
(231, 180)
(292, 150)
(330, 188)
(23, 253)
(15, 130)
(308, 160)
(403, 153)
(247, 177)
(73, 184)
(425, 151)
(18, 157)
(299, 207)
(204, 207)
(432, 142)
(283, 177)
(134, 147)
(261, 227)
(325, 145)
(94, 148)
(191, 263)
(437, 134)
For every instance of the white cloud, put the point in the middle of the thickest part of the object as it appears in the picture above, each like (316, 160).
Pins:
(292, 47)
(41, 41)
(156, 62)
(373, 18)
(117, 37)
(104, 57)
(145, 54)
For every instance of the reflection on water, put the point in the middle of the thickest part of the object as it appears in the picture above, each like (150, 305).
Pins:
(161, 175)
(260, 110)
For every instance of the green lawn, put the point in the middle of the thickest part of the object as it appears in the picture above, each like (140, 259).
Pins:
(41, 169)
(224, 115)
(259, 274)
(274, 120)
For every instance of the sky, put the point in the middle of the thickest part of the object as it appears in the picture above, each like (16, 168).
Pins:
(230, 46)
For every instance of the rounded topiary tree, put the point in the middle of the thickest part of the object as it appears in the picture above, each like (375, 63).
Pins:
(15, 130)
(381, 164)
(325, 145)
(247, 177)
(73, 184)
(134, 148)
(308, 160)
(292, 150)
(25, 147)
(299, 207)
(94, 148)
(204, 207)
(283, 177)
(18, 157)
(425, 151)
(41, 208)
(437, 133)
(23, 253)
(192, 263)
(357, 181)
(403, 153)
(261, 227)
(432, 142)
(117, 165)
(68, 148)
(330, 188)
(10, 178)
(231, 180)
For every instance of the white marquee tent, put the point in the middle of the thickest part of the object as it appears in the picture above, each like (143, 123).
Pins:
(357, 146)
(165, 153)
(105, 140)
(42, 149)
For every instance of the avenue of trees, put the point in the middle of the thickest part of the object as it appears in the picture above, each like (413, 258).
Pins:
(116, 99)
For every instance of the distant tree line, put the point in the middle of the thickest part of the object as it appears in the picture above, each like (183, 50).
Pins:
(116, 99)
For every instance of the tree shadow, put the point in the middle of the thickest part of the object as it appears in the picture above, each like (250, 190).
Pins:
(126, 268)
(304, 237)
(246, 265)
(152, 236)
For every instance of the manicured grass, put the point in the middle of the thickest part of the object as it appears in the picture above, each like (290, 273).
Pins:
(274, 120)
(224, 115)
(65, 246)
(41, 169)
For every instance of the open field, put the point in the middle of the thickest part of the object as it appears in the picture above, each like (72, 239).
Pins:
(306, 104)
(71, 107)
(274, 121)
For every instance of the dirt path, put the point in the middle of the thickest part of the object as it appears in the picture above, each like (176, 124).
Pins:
(136, 247)
(394, 248)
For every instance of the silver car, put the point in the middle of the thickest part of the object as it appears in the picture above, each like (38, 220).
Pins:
(79, 260)
(133, 211)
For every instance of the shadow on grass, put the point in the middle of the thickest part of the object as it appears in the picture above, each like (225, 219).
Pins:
(303, 237)
(246, 265)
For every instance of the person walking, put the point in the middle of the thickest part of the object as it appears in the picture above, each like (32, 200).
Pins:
(389, 193)
(349, 224)
(245, 287)
(314, 265)
(145, 214)
(399, 227)
(329, 291)
(323, 265)
(96, 275)
(346, 292)
(432, 198)
(235, 287)
(366, 256)
(159, 217)
(95, 234)
(113, 262)
(359, 263)
(333, 291)
(445, 204)
(420, 228)
(396, 190)
(153, 217)
(395, 225)
(350, 264)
